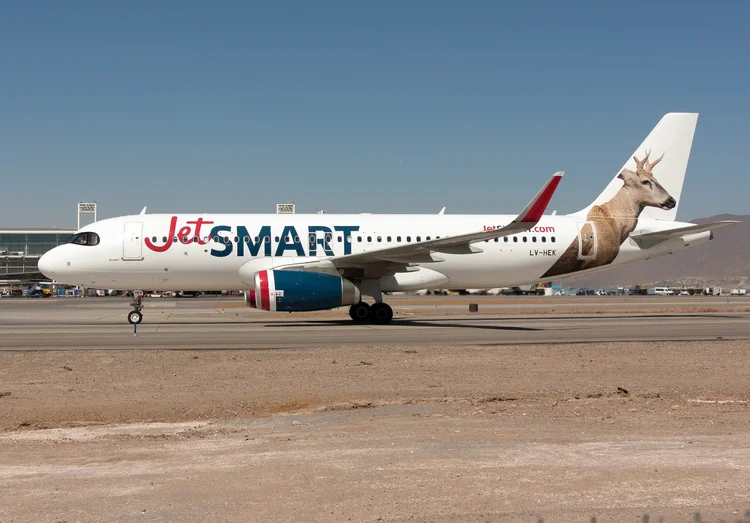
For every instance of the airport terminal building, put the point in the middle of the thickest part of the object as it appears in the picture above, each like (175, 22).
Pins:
(20, 250)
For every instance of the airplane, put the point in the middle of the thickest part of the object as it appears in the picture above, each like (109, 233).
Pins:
(309, 262)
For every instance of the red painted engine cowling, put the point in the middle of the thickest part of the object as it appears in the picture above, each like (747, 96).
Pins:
(298, 291)
(250, 298)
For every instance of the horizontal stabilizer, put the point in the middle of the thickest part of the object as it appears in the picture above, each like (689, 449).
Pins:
(682, 231)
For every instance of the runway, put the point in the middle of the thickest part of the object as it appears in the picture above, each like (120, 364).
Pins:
(99, 323)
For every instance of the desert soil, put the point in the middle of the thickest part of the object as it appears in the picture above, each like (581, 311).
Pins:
(562, 432)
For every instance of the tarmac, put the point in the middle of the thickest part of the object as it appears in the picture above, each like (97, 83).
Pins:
(553, 408)
(224, 323)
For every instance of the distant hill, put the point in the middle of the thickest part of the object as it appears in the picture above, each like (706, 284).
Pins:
(723, 261)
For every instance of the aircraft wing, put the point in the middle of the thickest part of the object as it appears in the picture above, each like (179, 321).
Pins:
(682, 231)
(395, 259)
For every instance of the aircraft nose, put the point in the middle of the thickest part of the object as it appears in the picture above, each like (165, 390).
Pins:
(48, 265)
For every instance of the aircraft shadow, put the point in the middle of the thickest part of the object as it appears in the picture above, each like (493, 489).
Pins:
(397, 322)
(443, 323)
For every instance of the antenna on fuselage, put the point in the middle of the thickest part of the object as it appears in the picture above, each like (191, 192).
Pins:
(143, 211)
(442, 211)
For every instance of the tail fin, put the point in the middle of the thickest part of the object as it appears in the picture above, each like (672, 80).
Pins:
(669, 146)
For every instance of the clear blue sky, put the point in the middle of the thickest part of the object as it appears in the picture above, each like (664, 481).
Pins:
(354, 107)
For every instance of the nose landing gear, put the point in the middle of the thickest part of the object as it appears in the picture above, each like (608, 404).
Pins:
(136, 316)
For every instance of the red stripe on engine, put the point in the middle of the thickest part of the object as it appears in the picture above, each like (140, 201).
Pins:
(251, 299)
(265, 295)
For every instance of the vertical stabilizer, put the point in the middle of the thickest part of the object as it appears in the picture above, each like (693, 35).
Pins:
(655, 172)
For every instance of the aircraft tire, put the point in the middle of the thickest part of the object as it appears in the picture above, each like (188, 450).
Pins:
(381, 313)
(359, 312)
(135, 317)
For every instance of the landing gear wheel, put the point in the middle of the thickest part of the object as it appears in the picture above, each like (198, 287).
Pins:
(135, 317)
(381, 313)
(359, 312)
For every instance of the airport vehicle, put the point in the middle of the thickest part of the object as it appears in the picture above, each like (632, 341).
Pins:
(322, 261)
(37, 292)
(660, 291)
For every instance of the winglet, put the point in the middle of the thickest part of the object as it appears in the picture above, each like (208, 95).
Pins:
(534, 211)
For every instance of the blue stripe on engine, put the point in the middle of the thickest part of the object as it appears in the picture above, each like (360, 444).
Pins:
(307, 291)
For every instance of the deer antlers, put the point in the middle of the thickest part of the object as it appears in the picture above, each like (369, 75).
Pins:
(644, 164)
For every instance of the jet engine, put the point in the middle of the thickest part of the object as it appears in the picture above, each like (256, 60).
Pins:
(298, 291)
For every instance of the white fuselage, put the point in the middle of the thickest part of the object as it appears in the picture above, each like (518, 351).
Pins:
(181, 252)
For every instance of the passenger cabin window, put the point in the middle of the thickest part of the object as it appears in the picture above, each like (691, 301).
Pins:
(408, 238)
(552, 239)
(85, 238)
(544, 239)
(533, 239)
(419, 238)
(398, 239)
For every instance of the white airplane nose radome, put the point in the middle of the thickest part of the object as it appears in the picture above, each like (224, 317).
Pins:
(47, 264)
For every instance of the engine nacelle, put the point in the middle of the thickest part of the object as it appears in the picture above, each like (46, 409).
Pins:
(298, 291)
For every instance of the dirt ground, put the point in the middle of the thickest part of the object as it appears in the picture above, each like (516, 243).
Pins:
(503, 433)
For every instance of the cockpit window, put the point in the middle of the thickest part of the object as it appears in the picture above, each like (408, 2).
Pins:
(85, 238)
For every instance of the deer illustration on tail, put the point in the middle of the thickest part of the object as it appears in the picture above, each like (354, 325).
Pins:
(615, 220)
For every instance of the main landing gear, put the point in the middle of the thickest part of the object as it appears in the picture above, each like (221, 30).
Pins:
(377, 313)
(136, 316)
